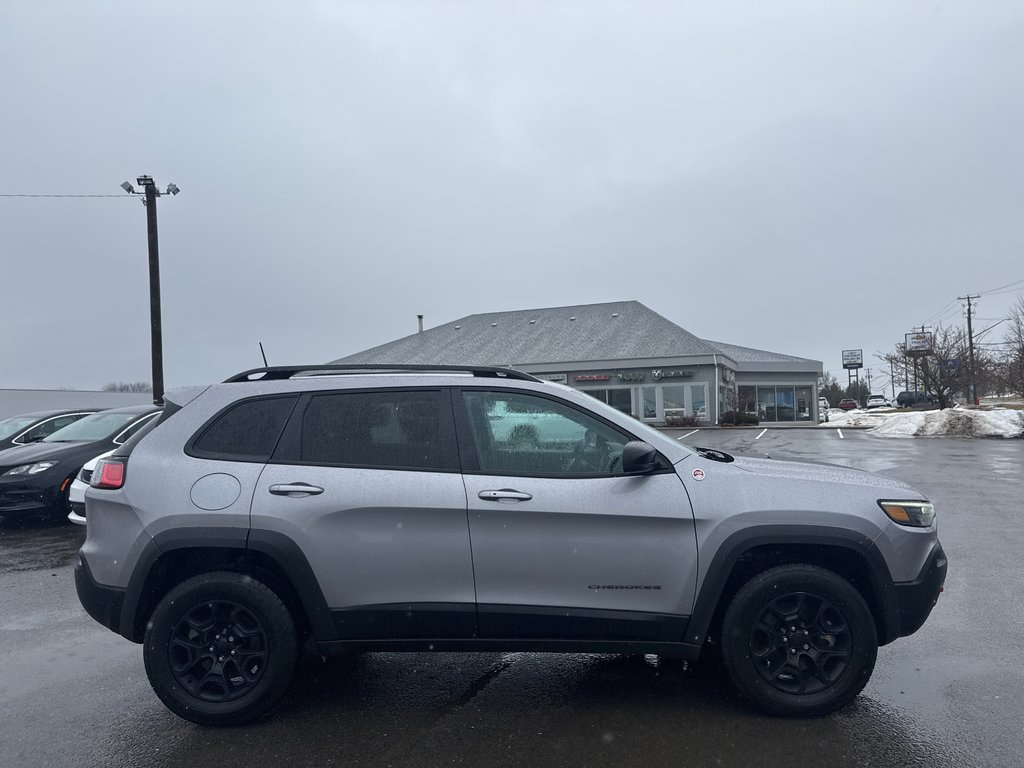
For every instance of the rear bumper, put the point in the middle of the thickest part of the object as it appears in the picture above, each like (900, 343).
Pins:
(101, 602)
(915, 599)
(77, 513)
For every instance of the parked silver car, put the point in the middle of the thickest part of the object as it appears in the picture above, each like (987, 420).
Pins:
(390, 510)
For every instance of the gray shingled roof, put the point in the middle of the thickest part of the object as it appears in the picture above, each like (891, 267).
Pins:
(553, 335)
(751, 355)
(14, 402)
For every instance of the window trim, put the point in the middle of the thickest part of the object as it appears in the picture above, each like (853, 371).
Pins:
(18, 441)
(289, 448)
(467, 444)
(121, 439)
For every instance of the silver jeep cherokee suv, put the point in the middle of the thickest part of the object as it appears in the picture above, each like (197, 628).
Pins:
(392, 509)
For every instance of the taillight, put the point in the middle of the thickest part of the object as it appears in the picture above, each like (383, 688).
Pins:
(109, 473)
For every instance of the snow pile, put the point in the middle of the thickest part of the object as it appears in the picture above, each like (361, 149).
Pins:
(951, 422)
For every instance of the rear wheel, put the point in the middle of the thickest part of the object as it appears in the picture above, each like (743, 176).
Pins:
(220, 649)
(799, 640)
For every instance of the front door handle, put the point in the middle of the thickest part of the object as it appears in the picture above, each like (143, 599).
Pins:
(506, 495)
(296, 490)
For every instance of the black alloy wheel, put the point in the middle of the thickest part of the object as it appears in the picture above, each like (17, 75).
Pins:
(220, 649)
(799, 640)
(801, 643)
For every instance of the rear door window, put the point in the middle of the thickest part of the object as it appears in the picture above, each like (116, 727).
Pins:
(386, 429)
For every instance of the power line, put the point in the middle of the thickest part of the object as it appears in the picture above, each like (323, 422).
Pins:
(952, 304)
(120, 197)
(1008, 285)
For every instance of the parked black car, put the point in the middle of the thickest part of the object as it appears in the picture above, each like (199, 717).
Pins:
(33, 427)
(34, 479)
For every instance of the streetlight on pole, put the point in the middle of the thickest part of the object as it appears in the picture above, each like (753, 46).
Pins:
(149, 195)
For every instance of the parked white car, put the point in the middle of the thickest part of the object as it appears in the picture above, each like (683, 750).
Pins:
(877, 401)
(822, 409)
(76, 493)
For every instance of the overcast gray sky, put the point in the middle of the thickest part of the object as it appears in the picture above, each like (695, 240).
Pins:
(802, 177)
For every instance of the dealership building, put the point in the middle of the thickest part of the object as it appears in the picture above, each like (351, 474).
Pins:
(623, 354)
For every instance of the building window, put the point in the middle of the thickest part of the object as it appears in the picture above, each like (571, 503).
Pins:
(620, 399)
(674, 398)
(804, 400)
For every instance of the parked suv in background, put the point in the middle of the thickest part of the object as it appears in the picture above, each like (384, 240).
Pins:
(388, 508)
(876, 401)
(915, 398)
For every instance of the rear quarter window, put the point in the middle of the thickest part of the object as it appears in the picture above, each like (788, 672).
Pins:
(246, 431)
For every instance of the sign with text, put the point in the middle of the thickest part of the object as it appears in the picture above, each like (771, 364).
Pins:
(853, 358)
(918, 344)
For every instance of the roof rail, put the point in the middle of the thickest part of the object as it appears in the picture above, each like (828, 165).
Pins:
(281, 372)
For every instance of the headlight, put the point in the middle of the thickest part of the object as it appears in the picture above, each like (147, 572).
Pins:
(31, 469)
(916, 514)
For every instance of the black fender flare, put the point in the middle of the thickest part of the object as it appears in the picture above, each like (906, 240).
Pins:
(741, 542)
(277, 547)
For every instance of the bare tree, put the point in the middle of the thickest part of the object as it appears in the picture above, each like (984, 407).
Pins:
(946, 371)
(128, 386)
(1013, 352)
(828, 387)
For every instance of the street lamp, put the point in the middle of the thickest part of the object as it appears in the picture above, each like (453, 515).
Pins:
(149, 194)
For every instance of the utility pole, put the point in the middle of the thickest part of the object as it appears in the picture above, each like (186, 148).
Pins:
(970, 343)
(149, 195)
(156, 328)
(869, 380)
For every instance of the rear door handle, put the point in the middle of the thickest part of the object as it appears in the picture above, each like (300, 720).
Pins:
(296, 490)
(506, 495)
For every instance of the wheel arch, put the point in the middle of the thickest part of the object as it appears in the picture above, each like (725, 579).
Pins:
(746, 553)
(272, 558)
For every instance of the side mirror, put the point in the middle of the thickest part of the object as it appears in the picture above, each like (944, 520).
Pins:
(639, 458)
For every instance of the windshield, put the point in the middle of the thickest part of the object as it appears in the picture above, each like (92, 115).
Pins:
(14, 424)
(96, 427)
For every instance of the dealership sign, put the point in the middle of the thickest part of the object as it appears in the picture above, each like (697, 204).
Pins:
(853, 358)
(593, 377)
(631, 375)
(918, 344)
(658, 374)
(558, 378)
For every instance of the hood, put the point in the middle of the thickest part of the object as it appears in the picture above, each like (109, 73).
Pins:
(30, 454)
(831, 474)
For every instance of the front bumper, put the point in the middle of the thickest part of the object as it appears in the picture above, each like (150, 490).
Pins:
(915, 599)
(101, 602)
(21, 499)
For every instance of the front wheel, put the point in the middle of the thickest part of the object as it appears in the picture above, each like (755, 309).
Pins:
(799, 640)
(220, 649)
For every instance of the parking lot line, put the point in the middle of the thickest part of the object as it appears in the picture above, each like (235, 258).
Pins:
(688, 434)
(762, 432)
(840, 432)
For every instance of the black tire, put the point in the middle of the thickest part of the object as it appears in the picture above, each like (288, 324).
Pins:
(220, 649)
(799, 641)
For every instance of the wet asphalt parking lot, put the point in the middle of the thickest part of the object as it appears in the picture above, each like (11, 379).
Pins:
(74, 694)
